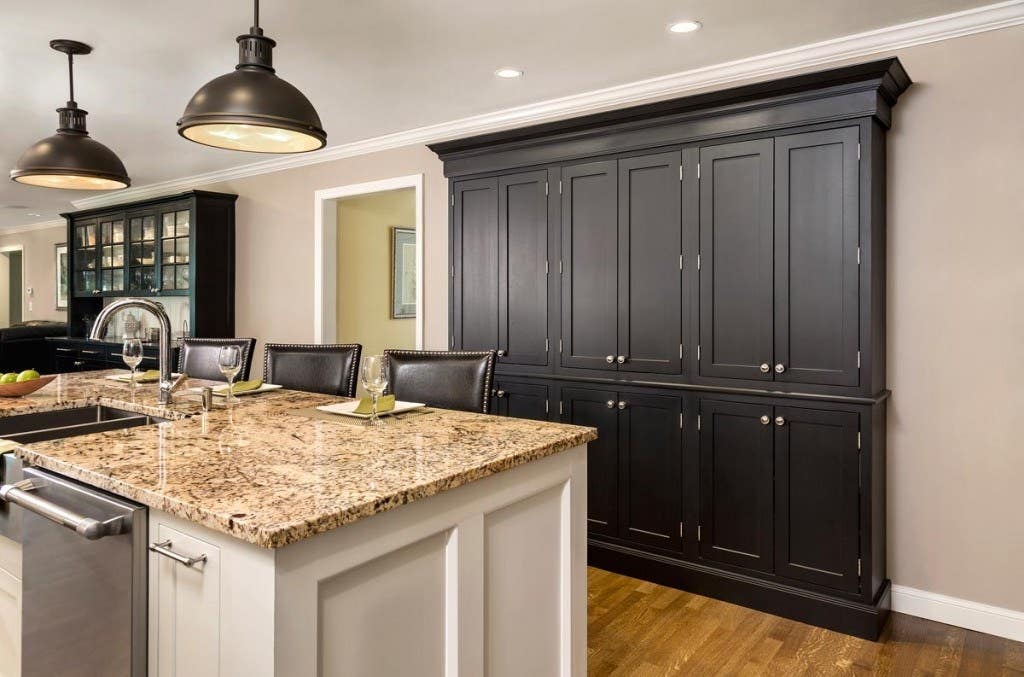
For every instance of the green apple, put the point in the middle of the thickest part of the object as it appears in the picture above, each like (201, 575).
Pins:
(9, 378)
(28, 375)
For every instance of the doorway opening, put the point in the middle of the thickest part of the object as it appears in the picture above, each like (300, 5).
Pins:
(12, 285)
(369, 255)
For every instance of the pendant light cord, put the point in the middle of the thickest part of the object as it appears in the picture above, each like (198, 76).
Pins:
(256, 17)
(71, 80)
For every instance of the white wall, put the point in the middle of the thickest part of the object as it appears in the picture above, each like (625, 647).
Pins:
(38, 261)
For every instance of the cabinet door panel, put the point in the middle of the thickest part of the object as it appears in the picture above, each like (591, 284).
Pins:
(650, 462)
(521, 400)
(816, 270)
(817, 497)
(736, 484)
(650, 279)
(522, 261)
(475, 303)
(587, 407)
(589, 257)
(736, 259)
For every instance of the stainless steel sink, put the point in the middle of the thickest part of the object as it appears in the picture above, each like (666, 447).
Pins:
(53, 425)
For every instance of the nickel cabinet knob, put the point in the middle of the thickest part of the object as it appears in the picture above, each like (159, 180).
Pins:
(621, 359)
(765, 368)
(609, 358)
(610, 404)
(780, 421)
(779, 368)
(622, 404)
(500, 393)
(501, 353)
(766, 419)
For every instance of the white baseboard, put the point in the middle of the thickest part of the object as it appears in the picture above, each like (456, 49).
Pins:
(962, 613)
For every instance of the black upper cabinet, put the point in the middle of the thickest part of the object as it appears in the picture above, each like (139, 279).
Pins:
(650, 268)
(589, 260)
(650, 469)
(475, 302)
(816, 268)
(598, 409)
(522, 268)
(736, 487)
(817, 500)
(736, 260)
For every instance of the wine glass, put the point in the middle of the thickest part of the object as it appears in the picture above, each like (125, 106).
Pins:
(374, 377)
(230, 362)
(131, 353)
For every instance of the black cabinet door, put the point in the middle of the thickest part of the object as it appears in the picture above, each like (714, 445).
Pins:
(817, 499)
(650, 273)
(816, 269)
(650, 462)
(597, 409)
(475, 259)
(736, 260)
(85, 258)
(521, 400)
(589, 259)
(522, 268)
(736, 466)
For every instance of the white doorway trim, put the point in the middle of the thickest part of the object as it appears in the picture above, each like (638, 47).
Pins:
(325, 247)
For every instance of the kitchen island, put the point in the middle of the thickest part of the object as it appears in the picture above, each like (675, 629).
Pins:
(444, 543)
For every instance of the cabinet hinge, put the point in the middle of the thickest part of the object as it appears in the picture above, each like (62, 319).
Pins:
(546, 269)
(546, 406)
(680, 178)
(680, 351)
(698, 178)
(680, 424)
(547, 345)
(858, 566)
(680, 262)
(559, 266)
(453, 271)
(453, 199)
(858, 151)
(698, 352)
(545, 188)
(559, 346)
(451, 342)
(858, 439)
(858, 359)
(698, 533)
(559, 407)
(680, 530)
(559, 186)
(698, 261)
(858, 255)
(698, 421)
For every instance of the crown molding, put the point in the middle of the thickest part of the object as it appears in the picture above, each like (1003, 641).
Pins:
(41, 225)
(901, 36)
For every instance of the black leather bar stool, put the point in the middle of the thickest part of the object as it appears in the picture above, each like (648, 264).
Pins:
(444, 379)
(198, 357)
(315, 368)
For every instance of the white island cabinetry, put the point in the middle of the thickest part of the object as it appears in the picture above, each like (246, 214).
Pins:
(487, 578)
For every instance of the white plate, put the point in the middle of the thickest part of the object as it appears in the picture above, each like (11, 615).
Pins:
(262, 389)
(127, 378)
(348, 408)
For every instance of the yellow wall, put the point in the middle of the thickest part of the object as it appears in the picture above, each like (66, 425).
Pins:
(364, 270)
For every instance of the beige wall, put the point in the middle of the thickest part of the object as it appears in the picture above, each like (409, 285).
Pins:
(364, 270)
(38, 260)
(956, 304)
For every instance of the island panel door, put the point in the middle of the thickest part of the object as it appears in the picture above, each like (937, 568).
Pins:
(521, 400)
(736, 487)
(589, 259)
(817, 497)
(736, 260)
(523, 268)
(475, 261)
(650, 269)
(598, 409)
(650, 469)
(816, 269)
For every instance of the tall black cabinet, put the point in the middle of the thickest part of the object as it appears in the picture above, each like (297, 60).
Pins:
(702, 280)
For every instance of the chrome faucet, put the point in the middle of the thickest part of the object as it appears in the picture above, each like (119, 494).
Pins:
(103, 319)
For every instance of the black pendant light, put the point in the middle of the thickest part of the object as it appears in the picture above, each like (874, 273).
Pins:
(69, 158)
(251, 108)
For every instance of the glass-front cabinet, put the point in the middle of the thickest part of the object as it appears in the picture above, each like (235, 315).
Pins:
(112, 254)
(142, 254)
(86, 278)
(175, 246)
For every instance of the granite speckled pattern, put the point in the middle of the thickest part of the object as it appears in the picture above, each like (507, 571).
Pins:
(265, 475)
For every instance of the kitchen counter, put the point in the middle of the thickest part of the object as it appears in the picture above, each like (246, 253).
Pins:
(268, 475)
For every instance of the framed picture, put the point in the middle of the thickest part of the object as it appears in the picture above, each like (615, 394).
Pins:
(62, 275)
(403, 272)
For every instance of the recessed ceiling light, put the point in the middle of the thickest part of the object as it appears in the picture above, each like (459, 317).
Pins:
(684, 27)
(34, 214)
(509, 73)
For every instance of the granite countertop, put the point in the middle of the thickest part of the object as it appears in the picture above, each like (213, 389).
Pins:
(266, 474)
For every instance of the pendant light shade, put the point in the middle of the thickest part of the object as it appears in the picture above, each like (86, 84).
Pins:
(69, 158)
(251, 108)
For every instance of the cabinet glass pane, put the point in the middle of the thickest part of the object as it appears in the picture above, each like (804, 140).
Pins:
(90, 235)
(148, 253)
(168, 277)
(135, 257)
(182, 219)
(117, 232)
(148, 278)
(107, 277)
(181, 250)
(167, 252)
(118, 257)
(181, 278)
(86, 280)
(118, 280)
(85, 259)
(108, 257)
(136, 278)
(168, 229)
(148, 228)
(136, 229)
(105, 229)
(81, 237)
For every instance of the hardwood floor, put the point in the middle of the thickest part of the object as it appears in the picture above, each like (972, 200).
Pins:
(639, 628)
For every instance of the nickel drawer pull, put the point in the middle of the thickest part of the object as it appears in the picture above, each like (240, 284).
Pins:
(164, 548)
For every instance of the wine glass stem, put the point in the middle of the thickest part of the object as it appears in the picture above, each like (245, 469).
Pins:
(373, 414)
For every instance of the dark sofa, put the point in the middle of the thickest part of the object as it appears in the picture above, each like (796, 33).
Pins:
(23, 345)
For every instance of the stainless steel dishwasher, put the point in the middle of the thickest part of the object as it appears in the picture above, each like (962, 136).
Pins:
(84, 578)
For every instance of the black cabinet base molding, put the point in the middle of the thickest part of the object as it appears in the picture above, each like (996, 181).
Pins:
(826, 611)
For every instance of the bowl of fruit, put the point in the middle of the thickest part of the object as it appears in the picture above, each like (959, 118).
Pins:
(27, 382)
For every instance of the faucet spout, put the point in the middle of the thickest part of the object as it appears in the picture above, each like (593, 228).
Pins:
(99, 328)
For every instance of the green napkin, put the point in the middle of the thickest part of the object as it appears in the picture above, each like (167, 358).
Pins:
(150, 376)
(384, 403)
(240, 387)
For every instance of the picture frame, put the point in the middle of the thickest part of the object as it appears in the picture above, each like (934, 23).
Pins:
(403, 273)
(61, 271)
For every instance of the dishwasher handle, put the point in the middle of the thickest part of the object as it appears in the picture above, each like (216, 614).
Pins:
(86, 527)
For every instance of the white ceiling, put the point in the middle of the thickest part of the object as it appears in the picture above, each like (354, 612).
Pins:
(370, 68)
